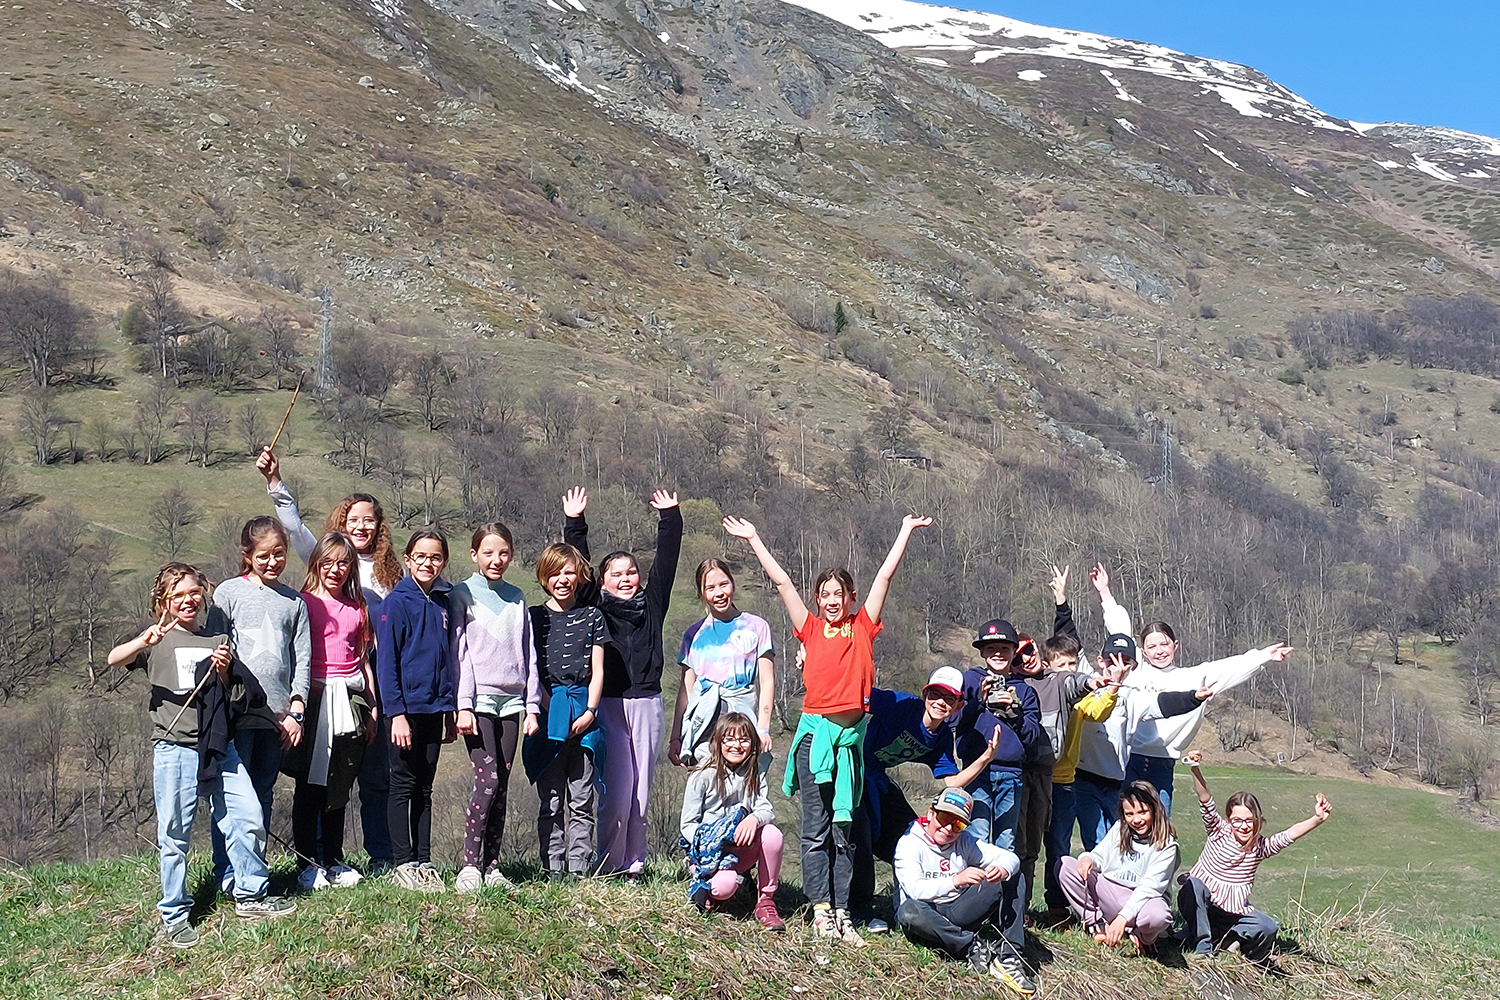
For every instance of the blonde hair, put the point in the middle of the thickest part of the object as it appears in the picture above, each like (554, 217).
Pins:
(167, 579)
(557, 555)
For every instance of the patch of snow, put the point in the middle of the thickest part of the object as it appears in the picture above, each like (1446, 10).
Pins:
(1363, 127)
(1388, 164)
(1431, 169)
(576, 5)
(1298, 190)
(1031, 75)
(931, 60)
(903, 24)
(1480, 174)
(389, 9)
(1216, 152)
(665, 36)
(1120, 92)
(237, 5)
(1124, 123)
(555, 6)
(568, 79)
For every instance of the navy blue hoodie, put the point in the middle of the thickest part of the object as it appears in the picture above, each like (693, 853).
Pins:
(1019, 735)
(414, 663)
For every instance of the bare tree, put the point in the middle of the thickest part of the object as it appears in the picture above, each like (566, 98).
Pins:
(394, 459)
(170, 516)
(39, 419)
(280, 340)
(9, 488)
(99, 432)
(39, 323)
(433, 463)
(203, 420)
(431, 375)
(368, 367)
(247, 420)
(153, 417)
(164, 320)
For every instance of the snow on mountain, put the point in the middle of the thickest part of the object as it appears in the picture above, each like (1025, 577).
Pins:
(902, 24)
(1444, 153)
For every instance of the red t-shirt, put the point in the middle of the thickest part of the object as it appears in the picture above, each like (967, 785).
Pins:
(840, 666)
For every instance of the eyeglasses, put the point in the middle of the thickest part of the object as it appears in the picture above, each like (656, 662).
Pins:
(182, 595)
(1241, 822)
(360, 522)
(741, 741)
(427, 559)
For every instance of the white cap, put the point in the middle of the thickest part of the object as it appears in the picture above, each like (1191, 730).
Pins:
(947, 678)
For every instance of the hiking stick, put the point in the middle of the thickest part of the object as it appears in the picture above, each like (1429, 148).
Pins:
(282, 426)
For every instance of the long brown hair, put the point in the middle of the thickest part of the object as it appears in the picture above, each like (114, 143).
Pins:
(388, 571)
(1250, 802)
(734, 722)
(332, 546)
(254, 530)
(1142, 793)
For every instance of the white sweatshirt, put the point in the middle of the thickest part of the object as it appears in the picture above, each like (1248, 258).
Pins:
(1146, 869)
(925, 871)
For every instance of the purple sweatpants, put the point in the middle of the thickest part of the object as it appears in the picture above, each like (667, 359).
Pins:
(764, 853)
(1100, 899)
(632, 739)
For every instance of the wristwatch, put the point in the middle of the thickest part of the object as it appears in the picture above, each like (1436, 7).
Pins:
(295, 717)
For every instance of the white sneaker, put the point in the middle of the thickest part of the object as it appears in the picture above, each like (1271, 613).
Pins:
(429, 878)
(408, 876)
(493, 879)
(344, 876)
(469, 880)
(312, 878)
(824, 924)
(846, 931)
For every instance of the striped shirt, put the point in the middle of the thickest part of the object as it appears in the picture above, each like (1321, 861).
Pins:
(1227, 869)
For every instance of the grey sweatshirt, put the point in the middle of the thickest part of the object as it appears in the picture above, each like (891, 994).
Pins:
(269, 633)
(702, 803)
(1145, 868)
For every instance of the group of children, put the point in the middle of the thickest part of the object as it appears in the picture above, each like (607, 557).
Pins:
(363, 675)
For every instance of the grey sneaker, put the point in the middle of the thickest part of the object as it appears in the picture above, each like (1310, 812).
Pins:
(182, 935)
(469, 880)
(264, 908)
(407, 876)
(981, 956)
(431, 880)
(1011, 971)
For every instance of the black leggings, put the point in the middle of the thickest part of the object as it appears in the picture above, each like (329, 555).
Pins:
(492, 749)
(410, 804)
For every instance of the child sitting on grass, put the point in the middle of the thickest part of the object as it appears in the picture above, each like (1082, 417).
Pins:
(1215, 895)
(726, 822)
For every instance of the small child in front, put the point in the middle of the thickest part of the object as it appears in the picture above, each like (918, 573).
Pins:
(949, 884)
(1215, 895)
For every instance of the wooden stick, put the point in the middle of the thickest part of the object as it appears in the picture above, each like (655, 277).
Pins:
(211, 672)
(282, 426)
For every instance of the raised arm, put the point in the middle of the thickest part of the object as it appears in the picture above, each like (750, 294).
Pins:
(287, 513)
(1321, 811)
(1195, 760)
(1062, 615)
(668, 548)
(765, 680)
(875, 600)
(740, 528)
(576, 534)
(1116, 618)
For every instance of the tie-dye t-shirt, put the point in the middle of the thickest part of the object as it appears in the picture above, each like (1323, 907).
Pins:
(726, 653)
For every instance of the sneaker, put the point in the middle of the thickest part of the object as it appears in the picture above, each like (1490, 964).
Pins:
(700, 898)
(493, 879)
(766, 915)
(312, 878)
(264, 908)
(380, 867)
(430, 879)
(1011, 971)
(824, 924)
(875, 925)
(846, 931)
(981, 956)
(407, 876)
(469, 881)
(182, 935)
(343, 876)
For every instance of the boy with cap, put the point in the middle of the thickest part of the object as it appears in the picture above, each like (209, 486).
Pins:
(949, 884)
(903, 729)
(1002, 710)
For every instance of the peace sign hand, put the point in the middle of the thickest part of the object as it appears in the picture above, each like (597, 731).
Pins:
(157, 632)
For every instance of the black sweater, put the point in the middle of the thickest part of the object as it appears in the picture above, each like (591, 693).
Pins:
(633, 660)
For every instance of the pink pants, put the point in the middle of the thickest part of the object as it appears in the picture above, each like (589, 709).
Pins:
(766, 850)
(1100, 899)
(632, 737)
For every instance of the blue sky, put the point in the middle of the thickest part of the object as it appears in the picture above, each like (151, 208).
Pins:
(1370, 61)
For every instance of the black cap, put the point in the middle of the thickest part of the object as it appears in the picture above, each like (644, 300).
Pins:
(1120, 645)
(997, 630)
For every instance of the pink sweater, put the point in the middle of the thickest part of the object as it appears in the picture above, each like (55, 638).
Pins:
(338, 637)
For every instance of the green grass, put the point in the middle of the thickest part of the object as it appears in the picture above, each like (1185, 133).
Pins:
(1356, 923)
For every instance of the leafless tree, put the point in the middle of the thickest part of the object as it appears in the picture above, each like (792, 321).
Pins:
(170, 516)
(203, 420)
(99, 432)
(153, 418)
(40, 324)
(431, 375)
(280, 340)
(39, 418)
(165, 320)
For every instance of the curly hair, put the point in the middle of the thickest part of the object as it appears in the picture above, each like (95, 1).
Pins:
(167, 579)
(388, 571)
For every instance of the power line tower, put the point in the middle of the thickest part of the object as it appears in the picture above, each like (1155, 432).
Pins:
(1166, 453)
(325, 343)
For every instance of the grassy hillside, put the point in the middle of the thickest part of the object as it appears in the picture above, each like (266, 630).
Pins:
(1352, 929)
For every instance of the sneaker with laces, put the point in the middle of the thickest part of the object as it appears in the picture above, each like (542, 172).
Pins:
(407, 876)
(431, 880)
(981, 956)
(380, 867)
(182, 935)
(469, 881)
(264, 908)
(1011, 971)
(847, 933)
(494, 879)
(312, 878)
(344, 876)
(766, 915)
(823, 923)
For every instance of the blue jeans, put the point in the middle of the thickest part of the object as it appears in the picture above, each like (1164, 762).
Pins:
(1096, 801)
(1059, 843)
(997, 808)
(175, 781)
(259, 752)
(1156, 772)
(239, 822)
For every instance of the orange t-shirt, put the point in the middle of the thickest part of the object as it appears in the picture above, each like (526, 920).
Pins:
(840, 666)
